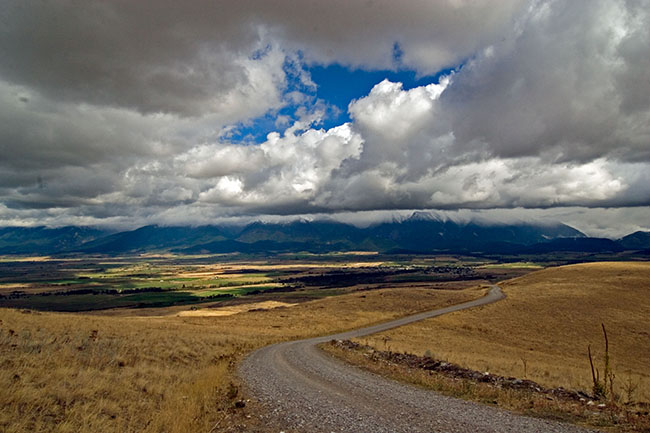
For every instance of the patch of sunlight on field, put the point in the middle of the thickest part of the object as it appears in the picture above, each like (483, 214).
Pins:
(25, 259)
(513, 265)
(542, 329)
(234, 309)
(235, 290)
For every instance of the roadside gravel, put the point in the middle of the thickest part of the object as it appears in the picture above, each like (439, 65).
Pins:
(309, 391)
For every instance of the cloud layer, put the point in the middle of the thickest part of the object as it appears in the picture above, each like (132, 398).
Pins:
(120, 112)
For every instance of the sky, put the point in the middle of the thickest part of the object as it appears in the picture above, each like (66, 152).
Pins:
(120, 113)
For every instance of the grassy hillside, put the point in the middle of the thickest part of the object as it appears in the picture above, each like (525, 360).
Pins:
(66, 372)
(542, 330)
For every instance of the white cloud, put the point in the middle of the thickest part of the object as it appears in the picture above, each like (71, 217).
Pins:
(393, 113)
(288, 169)
(491, 183)
(227, 191)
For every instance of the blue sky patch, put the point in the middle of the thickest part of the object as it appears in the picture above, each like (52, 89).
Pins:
(339, 85)
(336, 86)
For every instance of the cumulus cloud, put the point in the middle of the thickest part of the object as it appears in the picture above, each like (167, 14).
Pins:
(536, 120)
(401, 126)
(284, 170)
(123, 112)
(559, 85)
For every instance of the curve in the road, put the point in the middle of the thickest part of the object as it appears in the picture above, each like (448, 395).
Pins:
(313, 392)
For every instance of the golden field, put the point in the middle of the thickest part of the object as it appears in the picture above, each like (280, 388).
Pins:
(64, 372)
(542, 329)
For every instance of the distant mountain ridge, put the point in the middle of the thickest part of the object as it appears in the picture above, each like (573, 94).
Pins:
(419, 233)
(636, 241)
(43, 240)
(153, 238)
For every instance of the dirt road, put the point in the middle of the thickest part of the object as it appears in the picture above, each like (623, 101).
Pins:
(310, 391)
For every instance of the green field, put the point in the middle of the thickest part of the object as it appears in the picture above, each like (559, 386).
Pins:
(87, 283)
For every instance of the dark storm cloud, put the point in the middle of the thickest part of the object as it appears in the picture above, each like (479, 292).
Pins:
(44, 134)
(186, 57)
(571, 82)
(152, 56)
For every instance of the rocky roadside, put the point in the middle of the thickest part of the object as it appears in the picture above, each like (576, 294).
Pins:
(455, 371)
(635, 416)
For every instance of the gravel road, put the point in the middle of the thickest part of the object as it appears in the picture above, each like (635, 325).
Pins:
(313, 392)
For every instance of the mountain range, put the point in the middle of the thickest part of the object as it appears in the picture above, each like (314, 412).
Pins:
(420, 233)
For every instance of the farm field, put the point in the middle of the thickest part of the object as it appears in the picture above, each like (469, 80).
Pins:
(542, 330)
(160, 281)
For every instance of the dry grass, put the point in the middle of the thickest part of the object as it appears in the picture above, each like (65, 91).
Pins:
(517, 400)
(234, 309)
(83, 373)
(541, 331)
